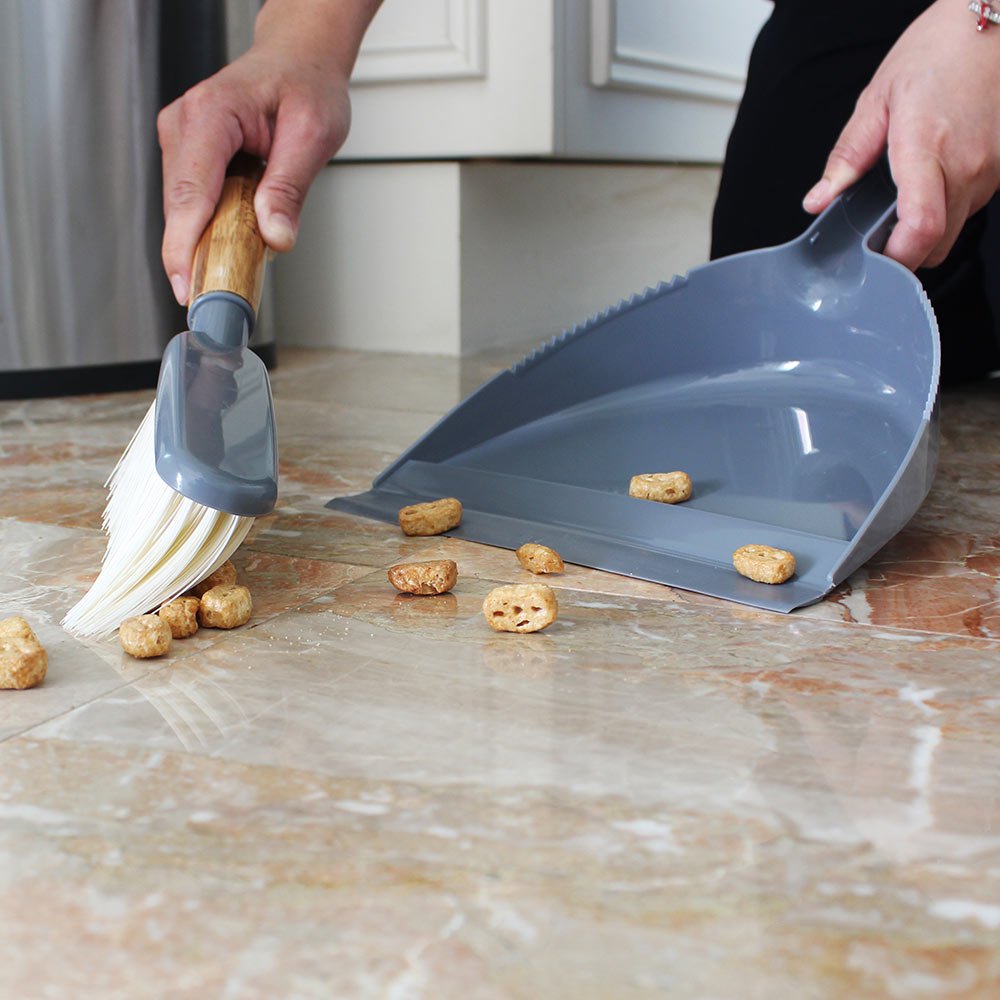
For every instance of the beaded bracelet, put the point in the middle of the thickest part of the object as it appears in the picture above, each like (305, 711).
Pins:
(986, 13)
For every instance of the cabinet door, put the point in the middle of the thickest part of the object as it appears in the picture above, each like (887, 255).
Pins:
(649, 80)
(584, 79)
(454, 79)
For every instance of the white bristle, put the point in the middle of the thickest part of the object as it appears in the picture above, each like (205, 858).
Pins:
(160, 543)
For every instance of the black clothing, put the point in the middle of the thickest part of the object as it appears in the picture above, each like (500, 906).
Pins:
(808, 66)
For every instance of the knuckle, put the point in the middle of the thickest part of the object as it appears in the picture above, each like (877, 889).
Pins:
(195, 103)
(927, 224)
(165, 123)
(845, 152)
(185, 193)
(318, 126)
(285, 189)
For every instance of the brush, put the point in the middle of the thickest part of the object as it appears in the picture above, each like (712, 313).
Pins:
(203, 463)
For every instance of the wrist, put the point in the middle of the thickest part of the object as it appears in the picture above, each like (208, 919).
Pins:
(326, 32)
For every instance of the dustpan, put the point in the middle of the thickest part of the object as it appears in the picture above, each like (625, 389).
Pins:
(796, 385)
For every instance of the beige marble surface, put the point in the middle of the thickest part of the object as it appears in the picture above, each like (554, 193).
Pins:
(362, 794)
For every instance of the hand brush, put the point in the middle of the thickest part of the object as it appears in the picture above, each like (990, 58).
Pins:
(203, 463)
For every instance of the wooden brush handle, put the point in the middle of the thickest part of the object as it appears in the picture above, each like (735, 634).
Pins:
(231, 253)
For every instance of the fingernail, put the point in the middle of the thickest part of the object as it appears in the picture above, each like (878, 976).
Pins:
(816, 195)
(281, 230)
(180, 287)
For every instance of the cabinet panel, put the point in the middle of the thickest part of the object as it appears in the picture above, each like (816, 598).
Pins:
(454, 78)
(651, 81)
(674, 46)
(424, 40)
(604, 79)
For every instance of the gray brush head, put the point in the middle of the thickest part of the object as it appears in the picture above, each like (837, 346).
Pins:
(215, 433)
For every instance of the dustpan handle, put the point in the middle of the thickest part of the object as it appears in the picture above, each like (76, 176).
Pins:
(231, 254)
(869, 206)
(859, 219)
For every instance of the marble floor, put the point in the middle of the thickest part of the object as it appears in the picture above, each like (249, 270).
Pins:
(367, 795)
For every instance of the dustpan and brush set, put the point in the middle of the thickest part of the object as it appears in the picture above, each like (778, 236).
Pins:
(796, 385)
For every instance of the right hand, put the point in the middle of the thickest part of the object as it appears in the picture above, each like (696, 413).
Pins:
(285, 100)
(932, 103)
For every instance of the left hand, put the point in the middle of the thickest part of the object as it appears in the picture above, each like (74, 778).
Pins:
(935, 101)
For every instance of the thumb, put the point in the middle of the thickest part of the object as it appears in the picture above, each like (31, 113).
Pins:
(855, 152)
(298, 152)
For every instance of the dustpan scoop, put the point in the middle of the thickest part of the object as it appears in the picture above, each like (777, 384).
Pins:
(796, 385)
(215, 431)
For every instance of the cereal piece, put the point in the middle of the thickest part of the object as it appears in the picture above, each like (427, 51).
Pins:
(181, 614)
(764, 563)
(226, 606)
(527, 607)
(23, 661)
(433, 577)
(225, 574)
(432, 518)
(17, 628)
(539, 558)
(664, 487)
(144, 636)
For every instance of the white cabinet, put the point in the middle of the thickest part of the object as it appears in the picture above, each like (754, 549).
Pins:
(515, 165)
(606, 79)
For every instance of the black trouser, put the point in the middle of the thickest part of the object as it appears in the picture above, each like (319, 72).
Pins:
(808, 66)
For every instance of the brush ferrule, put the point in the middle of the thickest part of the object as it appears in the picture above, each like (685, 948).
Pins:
(225, 318)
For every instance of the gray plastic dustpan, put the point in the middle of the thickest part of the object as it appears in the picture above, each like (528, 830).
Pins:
(796, 385)
(215, 434)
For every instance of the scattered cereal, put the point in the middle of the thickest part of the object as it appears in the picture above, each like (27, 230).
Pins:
(539, 558)
(433, 577)
(664, 487)
(527, 607)
(144, 636)
(764, 563)
(23, 660)
(431, 518)
(225, 574)
(181, 614)
(225, 606)
(17, 627)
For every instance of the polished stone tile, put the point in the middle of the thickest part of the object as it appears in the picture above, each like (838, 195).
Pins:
(941, 572)
(525, 815)
(45, 569)
(365, 794)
